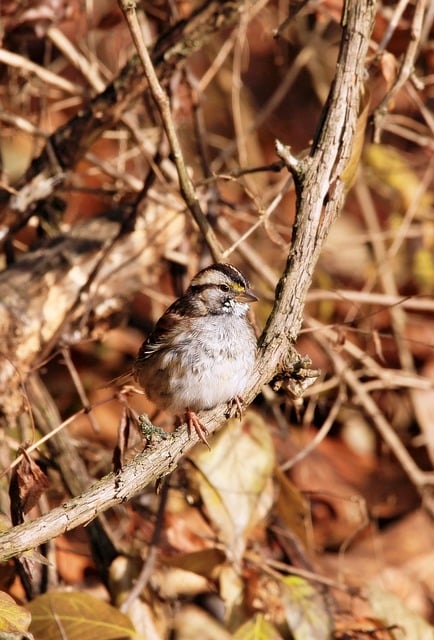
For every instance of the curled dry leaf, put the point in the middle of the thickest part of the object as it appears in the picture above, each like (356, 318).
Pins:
(27, 484)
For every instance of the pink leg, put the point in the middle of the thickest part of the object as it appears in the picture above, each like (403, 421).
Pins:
(238, 403)
(193, 422)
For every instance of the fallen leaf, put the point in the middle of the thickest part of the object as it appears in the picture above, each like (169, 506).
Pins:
(305, 610)
(14, 620)
(77, 616)
(393, 612)
(235, 480)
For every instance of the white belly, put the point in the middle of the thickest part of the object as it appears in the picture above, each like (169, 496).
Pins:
(212, 367)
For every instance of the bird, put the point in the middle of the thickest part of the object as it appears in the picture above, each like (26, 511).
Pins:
(202, 350)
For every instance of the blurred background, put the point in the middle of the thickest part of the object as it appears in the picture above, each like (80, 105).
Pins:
(101, 242)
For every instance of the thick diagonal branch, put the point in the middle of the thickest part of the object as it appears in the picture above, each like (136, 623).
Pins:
(321, 193)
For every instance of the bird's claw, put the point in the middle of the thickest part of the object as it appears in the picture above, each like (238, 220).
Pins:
(235, 407)
(193, 422)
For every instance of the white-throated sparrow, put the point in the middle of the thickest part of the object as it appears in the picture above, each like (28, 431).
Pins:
(202, 349)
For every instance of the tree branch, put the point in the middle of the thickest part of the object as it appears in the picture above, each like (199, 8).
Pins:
(320, 193)
(319, 184)
(162, 101)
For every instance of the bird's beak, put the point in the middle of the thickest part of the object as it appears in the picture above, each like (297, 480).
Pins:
(246, 296)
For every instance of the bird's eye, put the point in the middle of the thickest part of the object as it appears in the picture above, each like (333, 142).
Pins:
(224, 287)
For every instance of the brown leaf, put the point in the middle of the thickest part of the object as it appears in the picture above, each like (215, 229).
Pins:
(27, 484)
(382, 75)
(349, 173)
(292, 507)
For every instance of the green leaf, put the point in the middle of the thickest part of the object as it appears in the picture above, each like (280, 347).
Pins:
(305, 610)
(14, 620)
(77, 616)
(257, 629)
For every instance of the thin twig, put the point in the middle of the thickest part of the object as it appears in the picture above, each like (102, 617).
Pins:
(45, 75)
(75, 57)
(163, 104)
(94, 78)
(388, 283)
(320, 435)
(48, 436)
(388, 378)
(406, 68)
(412, 211)
(217, 63)
(252, 257)
(410, 303)
(422, 480)
(393, 23)
(80, 389)
(276, 98)
(152, 552)
(283, 567)
(236, 94)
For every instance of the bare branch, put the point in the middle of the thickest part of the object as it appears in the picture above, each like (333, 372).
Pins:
(320, 193)
(163, 103)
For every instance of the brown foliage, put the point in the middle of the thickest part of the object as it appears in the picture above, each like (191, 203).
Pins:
(309, 515)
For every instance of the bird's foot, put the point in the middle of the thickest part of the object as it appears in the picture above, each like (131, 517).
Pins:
(193, 422)
(235, 407)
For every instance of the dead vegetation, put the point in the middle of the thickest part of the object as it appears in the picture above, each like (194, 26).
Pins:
(123, 173)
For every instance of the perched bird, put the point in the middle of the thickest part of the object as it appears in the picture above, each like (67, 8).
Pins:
(202, 350)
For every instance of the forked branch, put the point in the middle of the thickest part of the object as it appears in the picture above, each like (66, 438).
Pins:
(321, 192)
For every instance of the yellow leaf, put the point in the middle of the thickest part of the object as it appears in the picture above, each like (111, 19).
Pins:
(257, 629)
(235, 479)
(391, 169)
(423, 269)
(77, 616)
(305, 610)
(14, 620)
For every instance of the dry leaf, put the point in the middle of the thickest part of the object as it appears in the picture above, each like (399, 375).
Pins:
(305, 610)
(292, 507)
(77, 616)
(235, 480)
(14, 620)
(28, 482)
